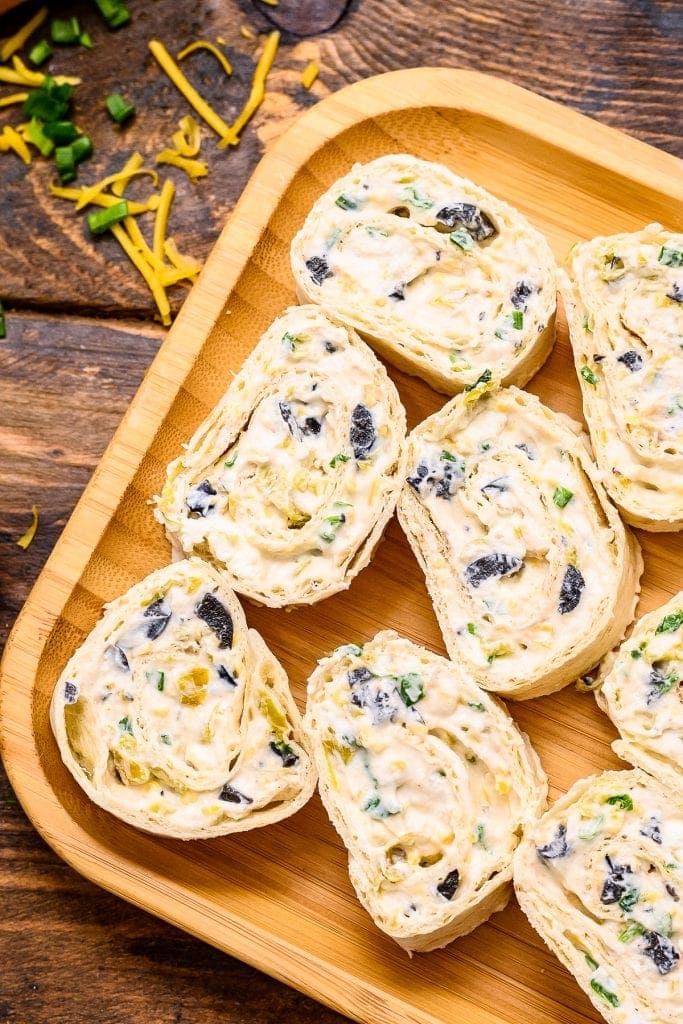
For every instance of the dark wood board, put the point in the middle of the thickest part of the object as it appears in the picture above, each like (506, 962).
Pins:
(80, 337)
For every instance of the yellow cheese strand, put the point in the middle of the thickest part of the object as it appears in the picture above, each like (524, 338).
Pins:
(15, 42)
(271, 3)
(10, 139)
(309, 74)
(258, 91)
(133, 163)
(202, 45)
(246, 32)
(189, 268)
(25, 541)
(34, 78)
(207, 113)
(88, 194)
(138, 239)
(151, 279)
(193, 168)
(188, 140)
(74, 194)
(16, 97)
(161, 219)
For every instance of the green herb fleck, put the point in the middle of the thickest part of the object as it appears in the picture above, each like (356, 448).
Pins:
(622, 800)
(476, 705)
(588, 375)
(517, 319)
(376, 232)
(629, 899)
(670, 257)
(484, 378)
(585, 324)
(462, 238)
(604, 993)
(411, 688)
(416, 199)
(350, 650)
(631, 932)
(165, 738)
(638, 651)
(156, 679)
(670, 623)
(471, 629)
(290, 341)
(376, 809)
(331, 526)
(334, 462)
(345, 202)
(562, 496)
(481, 837)
(229, 463)
(612, 267)
(125, 726)
(593, 964)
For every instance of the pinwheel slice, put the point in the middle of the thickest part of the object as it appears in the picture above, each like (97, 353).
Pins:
(442, 278)
(600, 878)
(176, 718)
(624, 300)
(289, 482)
(641, 692)
(531, 572)
(428, 782)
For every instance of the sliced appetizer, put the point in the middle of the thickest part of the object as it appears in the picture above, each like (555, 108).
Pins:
(428, 782)
(641, 692)
(442, 278)
(531, 572)
(624, 300)
(600, 878)
(289, 482)
(176, 718)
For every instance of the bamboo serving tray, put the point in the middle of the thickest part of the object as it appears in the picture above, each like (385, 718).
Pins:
(279, 898)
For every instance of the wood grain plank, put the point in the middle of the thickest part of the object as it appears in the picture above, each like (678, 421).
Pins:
(618, 61)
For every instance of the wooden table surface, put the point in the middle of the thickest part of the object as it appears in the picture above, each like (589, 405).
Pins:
(80, 335)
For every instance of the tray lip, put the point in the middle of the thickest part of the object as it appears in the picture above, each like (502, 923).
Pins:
(472, 92)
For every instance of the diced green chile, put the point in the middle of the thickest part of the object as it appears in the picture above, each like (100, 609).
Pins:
(218, 619)
(199, 499)
(661, 951)
(570, 592)
(159, 614)
(488, 566)
(318, 268)
(469, 216)
(557, 847)
(449, 885)
(233, 796)
(285, 753)
(632, 360)
(70, 692)
(361, 432)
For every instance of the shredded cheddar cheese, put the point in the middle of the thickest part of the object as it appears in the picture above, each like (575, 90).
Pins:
(193, 168)
(74, 194)
(15, 42)
(161, 219)
(205, 111)
(309, 74)
(246, 32)
(133, 163)
(35, 78)
(89, 193)
(11, 140)
(151, 279)
(27, 538)
(258, 91)
(187, 139)
(203, 45)
(15, 97)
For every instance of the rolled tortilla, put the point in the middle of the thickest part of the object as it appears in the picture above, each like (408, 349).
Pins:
(176, 718)
(289, 482)
(531, 572)
(624, 301)
(641, 693)
(442, 278)
(600, 879)
(428, 782)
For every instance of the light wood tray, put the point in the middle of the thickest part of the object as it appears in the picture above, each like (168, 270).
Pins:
(279, 897)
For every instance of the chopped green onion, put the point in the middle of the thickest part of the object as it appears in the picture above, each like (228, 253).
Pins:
(3, 326)
(670, 257)
(593, 964)
(103, 220)
(85, 40)
(156, 679)
(411, 688)
(119, 109)
(114, 12)
(65, 31)
(447, 457)
(638, 651)
(517, 319)
(81, 148)
(229, 463)
(562, 496)
(61, 132)
(476, 705)
(334, 462)
(471, 629)
(39, 53)
(481, 837)
(376, 232)
(462, 238)
(484, 378)
(629, 899)
(670, 623)
(290, 341)
(38, 137)
(588, 375)
(622, 800)
(345, 202)
(65, 164)
(125, 726)
(416, 199)
(610, 997)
